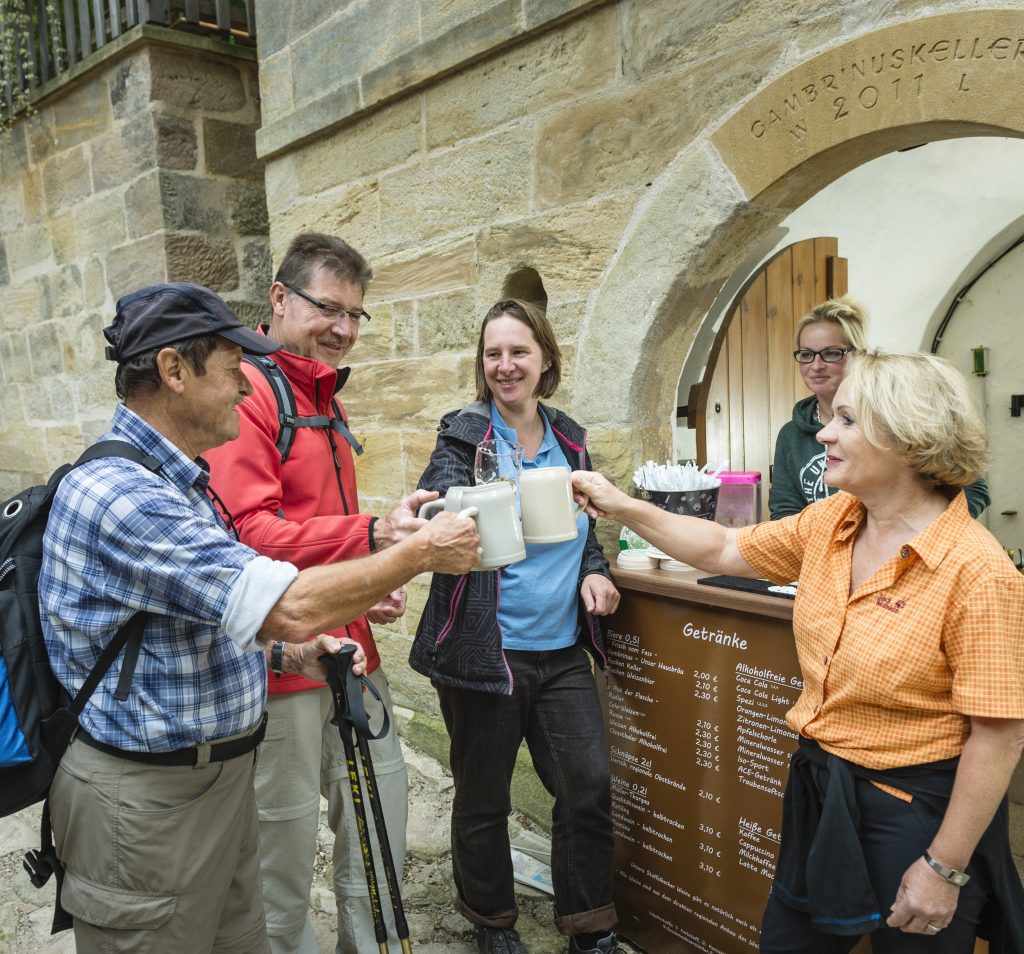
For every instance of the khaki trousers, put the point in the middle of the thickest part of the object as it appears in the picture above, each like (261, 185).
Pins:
(158, 859)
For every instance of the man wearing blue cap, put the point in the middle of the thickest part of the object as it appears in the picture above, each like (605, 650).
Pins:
(153, 810)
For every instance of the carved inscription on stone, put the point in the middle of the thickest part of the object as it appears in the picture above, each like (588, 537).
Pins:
(893, 76)
(963, 67)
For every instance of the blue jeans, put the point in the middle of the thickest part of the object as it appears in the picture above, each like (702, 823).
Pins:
(554, 707)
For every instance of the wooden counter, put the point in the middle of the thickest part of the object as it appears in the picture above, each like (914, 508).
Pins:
(684, 586)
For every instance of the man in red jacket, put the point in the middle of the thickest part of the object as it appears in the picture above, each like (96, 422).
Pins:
(305, 509)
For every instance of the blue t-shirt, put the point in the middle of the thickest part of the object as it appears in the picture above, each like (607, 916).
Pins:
(538, 598)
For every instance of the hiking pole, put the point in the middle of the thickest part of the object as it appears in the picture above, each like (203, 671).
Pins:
(390, 876)
(339, 669)
(380, 930)
(350, 717)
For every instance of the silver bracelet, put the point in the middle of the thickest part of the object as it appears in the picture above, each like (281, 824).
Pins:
(959, 878)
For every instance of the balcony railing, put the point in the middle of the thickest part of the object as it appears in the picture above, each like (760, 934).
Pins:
(40, 39)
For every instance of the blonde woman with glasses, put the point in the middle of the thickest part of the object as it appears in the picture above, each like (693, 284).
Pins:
(826, 340)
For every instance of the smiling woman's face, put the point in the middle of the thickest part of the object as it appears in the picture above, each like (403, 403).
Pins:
(822, 377)
(852, 462)
(513, 362)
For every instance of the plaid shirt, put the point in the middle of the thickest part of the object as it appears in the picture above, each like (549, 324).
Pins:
(121, 538)
(893, 672)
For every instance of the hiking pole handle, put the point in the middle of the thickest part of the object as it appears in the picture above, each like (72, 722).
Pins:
(347, 689)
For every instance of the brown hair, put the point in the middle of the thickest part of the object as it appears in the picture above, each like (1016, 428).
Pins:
(309, 251)
(537, 322)
(140, 375)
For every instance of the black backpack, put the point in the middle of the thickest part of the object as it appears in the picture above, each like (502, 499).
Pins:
(37, 718)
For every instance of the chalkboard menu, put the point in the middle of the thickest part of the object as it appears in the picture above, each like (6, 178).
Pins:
(699, 747)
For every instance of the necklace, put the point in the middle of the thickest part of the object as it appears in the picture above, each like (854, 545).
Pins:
(817, 411)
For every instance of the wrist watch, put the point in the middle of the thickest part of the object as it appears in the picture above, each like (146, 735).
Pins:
(277, 658)
(959, 878)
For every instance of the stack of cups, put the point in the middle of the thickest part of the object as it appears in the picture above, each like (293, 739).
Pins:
(636, 560)
(665, 562)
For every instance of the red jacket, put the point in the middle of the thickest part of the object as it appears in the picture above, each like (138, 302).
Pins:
(294, 511)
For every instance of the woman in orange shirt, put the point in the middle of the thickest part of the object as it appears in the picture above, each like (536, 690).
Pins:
(911, 720)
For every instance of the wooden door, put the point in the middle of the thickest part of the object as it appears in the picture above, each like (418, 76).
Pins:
(751, 381)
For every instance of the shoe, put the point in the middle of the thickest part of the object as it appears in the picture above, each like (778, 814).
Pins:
(498, 941)
(609, 944)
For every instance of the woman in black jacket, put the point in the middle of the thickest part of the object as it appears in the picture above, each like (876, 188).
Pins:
(505, 651)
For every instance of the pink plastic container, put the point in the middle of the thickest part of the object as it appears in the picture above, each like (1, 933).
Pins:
(739, 498)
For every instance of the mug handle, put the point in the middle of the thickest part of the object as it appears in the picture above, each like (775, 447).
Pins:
(430, 506)
(577, 507)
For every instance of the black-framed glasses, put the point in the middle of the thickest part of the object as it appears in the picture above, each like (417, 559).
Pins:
(330, 312)
(828, 355)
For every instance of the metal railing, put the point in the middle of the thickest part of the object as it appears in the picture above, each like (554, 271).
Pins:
(40, 39)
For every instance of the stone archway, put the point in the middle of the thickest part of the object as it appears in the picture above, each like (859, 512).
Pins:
(941, 77)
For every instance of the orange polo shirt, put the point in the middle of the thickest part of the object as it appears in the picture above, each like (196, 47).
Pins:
(893, 671)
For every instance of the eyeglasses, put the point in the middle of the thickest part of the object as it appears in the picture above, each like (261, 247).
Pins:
(828, 355)
(330, 312)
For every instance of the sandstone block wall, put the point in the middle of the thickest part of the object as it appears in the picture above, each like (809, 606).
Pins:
(142, 169)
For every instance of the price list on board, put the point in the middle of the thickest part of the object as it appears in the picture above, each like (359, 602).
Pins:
(699, 749)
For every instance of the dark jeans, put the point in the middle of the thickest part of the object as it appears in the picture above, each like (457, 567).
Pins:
(894, 833)
(554, 707)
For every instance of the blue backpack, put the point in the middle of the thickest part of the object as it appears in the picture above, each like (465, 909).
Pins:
(37, 717)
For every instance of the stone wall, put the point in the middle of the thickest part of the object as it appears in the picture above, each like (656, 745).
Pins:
(629, 152)
(142, 168)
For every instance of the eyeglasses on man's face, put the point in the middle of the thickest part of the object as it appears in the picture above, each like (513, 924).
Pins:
(828, 355)
(330, 312)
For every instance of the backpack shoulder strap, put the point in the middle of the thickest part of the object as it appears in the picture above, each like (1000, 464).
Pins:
(123, 449)
(287, 410)
(130, 634)
(340, 426)
(281, 388)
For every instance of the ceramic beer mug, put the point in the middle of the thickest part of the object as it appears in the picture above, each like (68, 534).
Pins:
(493, 507)
(549, 511)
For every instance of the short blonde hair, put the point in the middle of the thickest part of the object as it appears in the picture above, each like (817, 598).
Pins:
(850, 315)
(918, 406)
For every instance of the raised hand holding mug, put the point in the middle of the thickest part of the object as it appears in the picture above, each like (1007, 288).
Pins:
(549, 511)
(493, 507)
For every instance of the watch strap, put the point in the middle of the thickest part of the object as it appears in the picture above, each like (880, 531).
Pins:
(277, 658)
(959, 878)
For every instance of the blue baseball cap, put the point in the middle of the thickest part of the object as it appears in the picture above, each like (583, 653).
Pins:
(159, 315)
